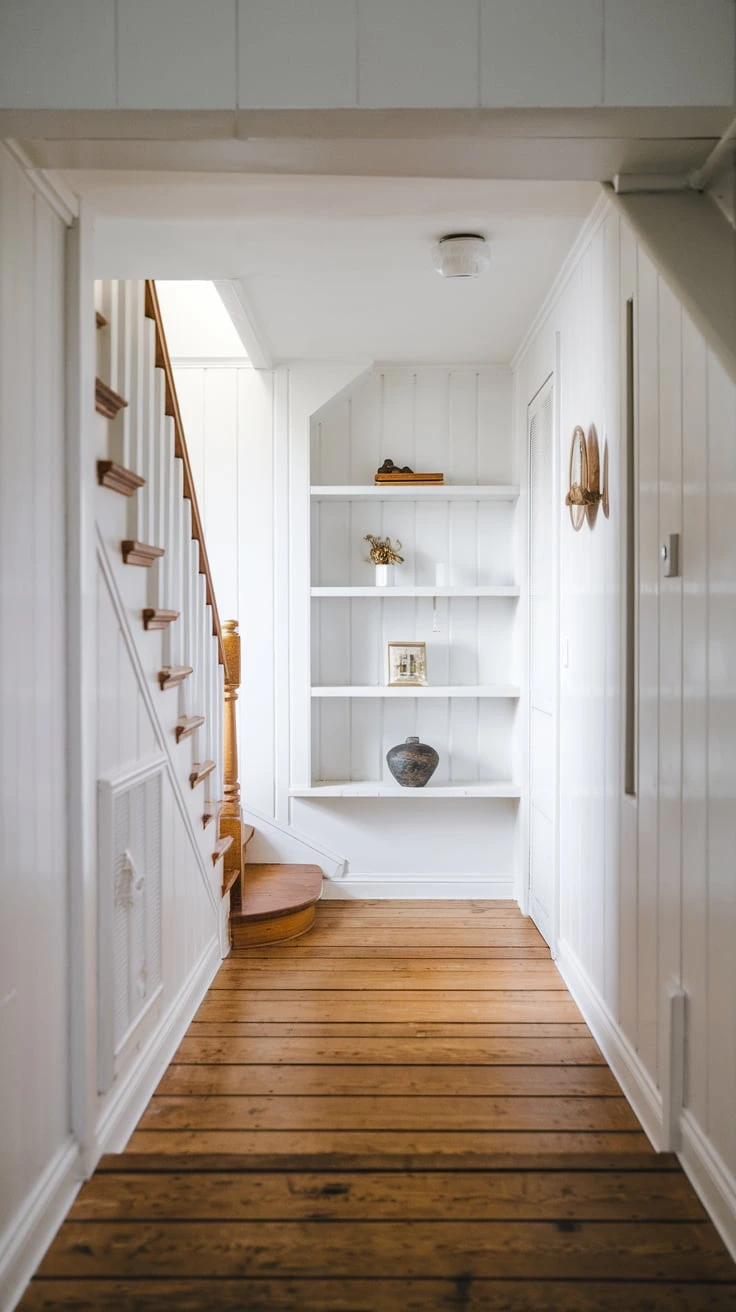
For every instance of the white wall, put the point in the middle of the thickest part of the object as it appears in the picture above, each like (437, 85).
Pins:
(264, 54)
(35, 1148)
(647, 890)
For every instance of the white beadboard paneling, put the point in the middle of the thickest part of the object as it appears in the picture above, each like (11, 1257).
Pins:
(176, 54)
(45, 50)
(649, 640)
(541, 52)
(721, 760)
(628, 875)
(34, 996)
(297, 56)
(669, 52)
(694, 832)
(418, 52)
(384, 828)
(648, 897)
(670, 655)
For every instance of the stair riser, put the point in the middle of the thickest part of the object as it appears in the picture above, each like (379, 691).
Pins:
(281, 929)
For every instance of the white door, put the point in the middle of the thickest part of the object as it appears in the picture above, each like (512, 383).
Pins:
(542, 665)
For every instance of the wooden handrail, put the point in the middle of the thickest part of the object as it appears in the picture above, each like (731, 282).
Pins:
(163, 361)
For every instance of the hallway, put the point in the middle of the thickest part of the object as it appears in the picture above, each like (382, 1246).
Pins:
(400, 1112)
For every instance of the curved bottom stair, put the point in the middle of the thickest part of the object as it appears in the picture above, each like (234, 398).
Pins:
(278, 904)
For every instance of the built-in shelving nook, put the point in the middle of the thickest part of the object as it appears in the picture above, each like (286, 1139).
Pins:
(457, 591)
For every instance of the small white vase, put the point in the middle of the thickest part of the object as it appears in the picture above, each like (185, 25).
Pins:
(384, 576)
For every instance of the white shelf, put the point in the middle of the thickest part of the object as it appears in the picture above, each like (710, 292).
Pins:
(456, 690)
(417, 492)
(374, 789)
(401, 590)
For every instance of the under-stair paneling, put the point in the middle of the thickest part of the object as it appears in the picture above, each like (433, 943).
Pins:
(648, 898)
(34, 1086)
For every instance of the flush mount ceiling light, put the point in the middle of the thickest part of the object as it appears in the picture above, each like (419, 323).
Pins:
(461, 255)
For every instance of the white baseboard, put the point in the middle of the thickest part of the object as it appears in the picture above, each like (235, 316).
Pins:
(273, 841)
(133, 1090)
(28, 1236)
(419, 886)
(635, 1080)
(711, 1179)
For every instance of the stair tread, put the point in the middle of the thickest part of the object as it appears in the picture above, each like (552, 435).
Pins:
(221, 847)
(140, 553)
(108, 402)
(170, 675)
(119, 479)
(272, 890)
(200, 771)
(248, 832)
(154, 618)
(186, 724)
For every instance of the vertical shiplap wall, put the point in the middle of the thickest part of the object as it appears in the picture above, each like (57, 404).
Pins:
(228, 421)
(34, 1088)
(648, 895)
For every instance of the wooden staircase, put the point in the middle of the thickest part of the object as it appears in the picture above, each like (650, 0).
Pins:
(269, 903)
(279, 904)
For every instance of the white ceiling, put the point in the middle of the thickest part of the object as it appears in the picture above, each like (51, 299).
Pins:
(338, 268)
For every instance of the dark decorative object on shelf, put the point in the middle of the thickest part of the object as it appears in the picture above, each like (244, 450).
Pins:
(388, 467)
(412, 763)
(391, 473)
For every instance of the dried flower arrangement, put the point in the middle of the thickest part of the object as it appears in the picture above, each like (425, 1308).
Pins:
(382, 552)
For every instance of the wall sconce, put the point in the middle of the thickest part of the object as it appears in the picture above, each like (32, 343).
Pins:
(584, 490)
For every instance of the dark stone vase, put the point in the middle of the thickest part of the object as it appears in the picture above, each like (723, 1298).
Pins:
(412, 763)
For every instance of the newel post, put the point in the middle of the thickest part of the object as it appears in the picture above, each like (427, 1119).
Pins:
(231, 815)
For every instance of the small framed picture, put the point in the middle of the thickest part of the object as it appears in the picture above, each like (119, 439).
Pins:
(407, 664)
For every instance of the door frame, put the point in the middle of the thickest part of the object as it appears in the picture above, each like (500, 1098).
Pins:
(550, 383)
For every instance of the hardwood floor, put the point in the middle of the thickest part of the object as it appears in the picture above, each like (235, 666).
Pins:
(401, 1112)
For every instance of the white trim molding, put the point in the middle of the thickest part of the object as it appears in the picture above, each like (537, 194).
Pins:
(711, 1179)
(635, 1080)
(26, 1240)
(415, 886)
(286, 843)
(46, 183)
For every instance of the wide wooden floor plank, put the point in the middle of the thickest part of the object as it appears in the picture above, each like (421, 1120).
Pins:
(485, 1149)
(305, 950)
(424, 936)
(479, 1249)
(454, 1081)
(406, 1029)
(271, 1294)
(371, 1111)
(369, 1005)
(525, 976)
(404, 1111)
(388, 1051)
(427, 1195)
